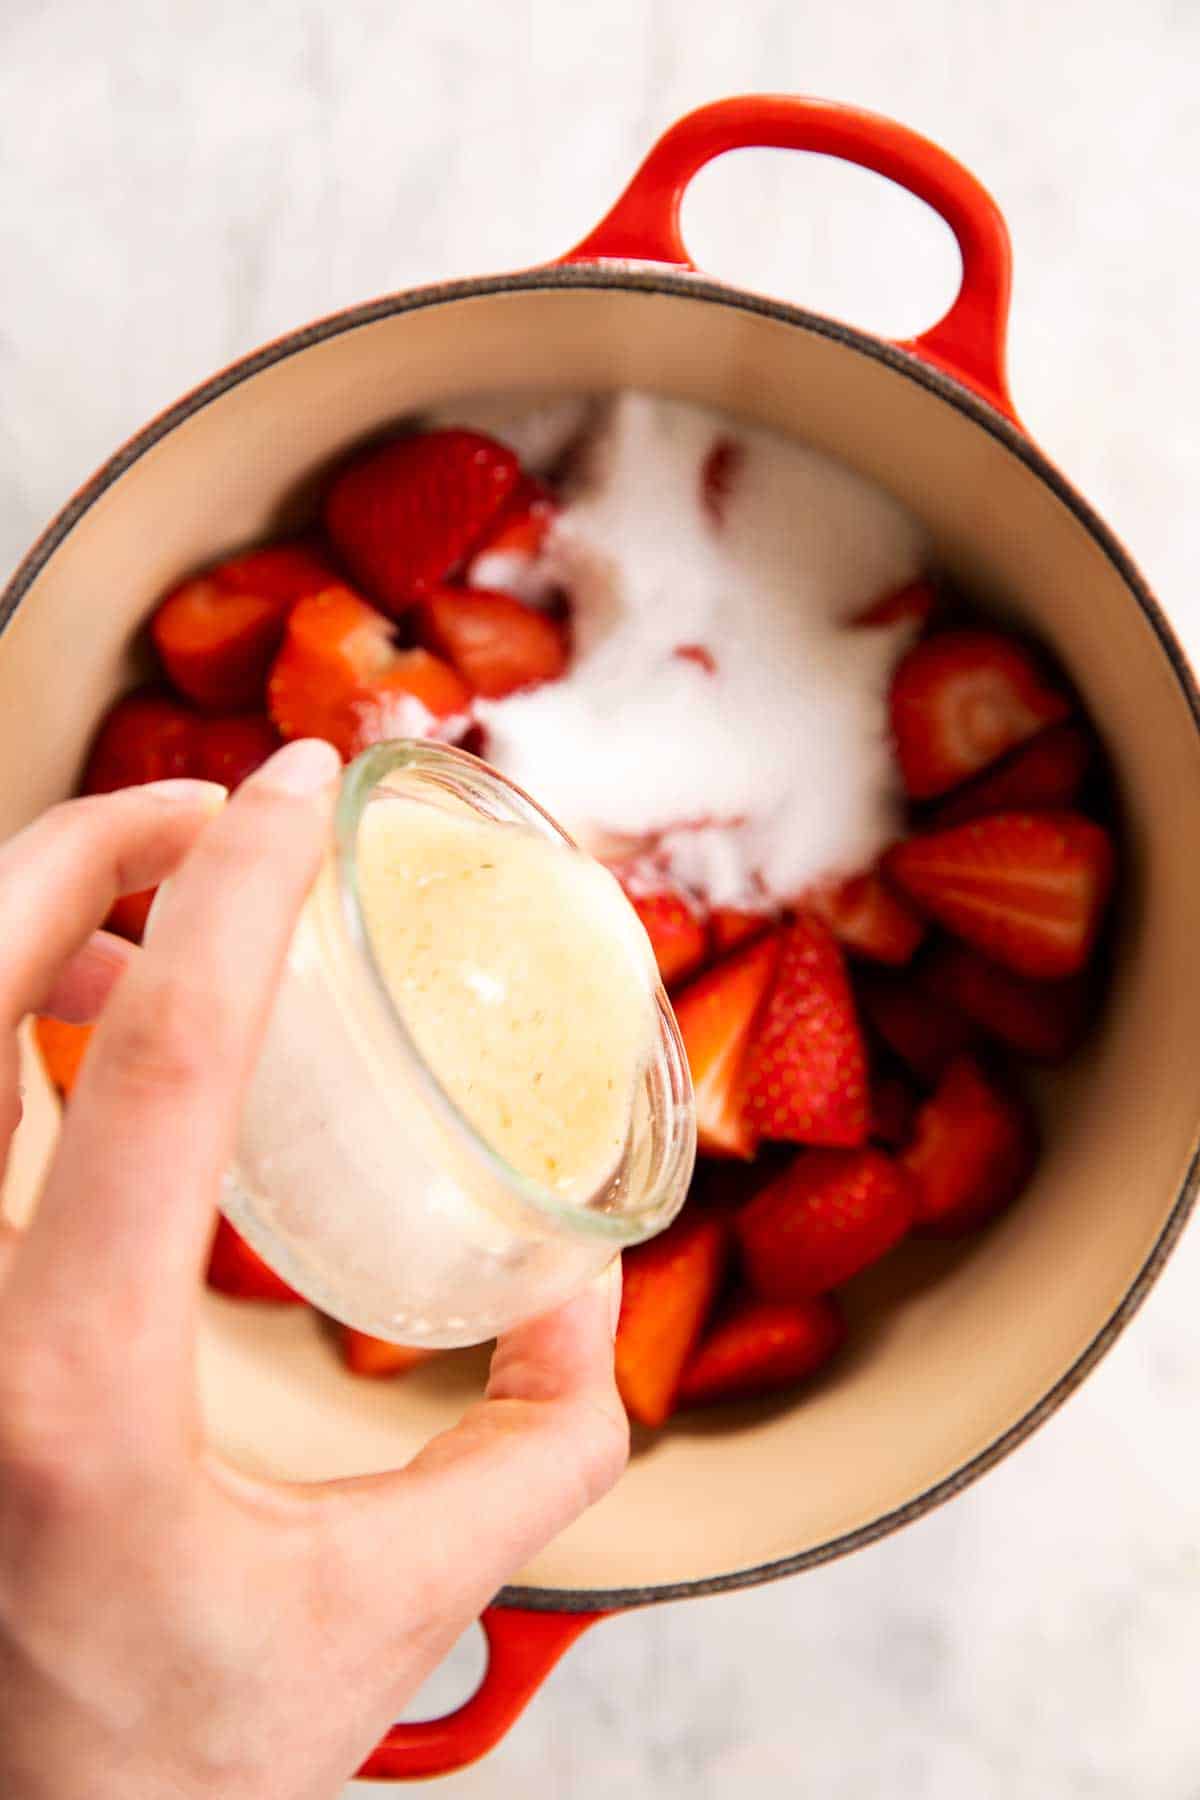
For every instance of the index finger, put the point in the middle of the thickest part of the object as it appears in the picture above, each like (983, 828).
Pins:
(60, 875)
(58, 879)
(114, 1252)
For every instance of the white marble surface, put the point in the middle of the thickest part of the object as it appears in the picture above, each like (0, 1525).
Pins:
(181, 181)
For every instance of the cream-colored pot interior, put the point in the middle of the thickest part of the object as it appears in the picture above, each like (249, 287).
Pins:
(968, 1344)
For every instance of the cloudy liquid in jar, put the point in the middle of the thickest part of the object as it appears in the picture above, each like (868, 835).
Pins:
(523, 977)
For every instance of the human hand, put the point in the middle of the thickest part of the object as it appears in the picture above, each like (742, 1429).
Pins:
(168, 1625)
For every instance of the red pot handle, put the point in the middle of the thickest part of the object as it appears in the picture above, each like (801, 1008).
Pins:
(523, 1647)
(968, 343)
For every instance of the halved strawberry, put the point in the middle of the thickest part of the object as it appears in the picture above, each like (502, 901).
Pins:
(830, 1214)
(230, 749)
(1044, 1020)
(496, 643)
(216, 634)
(235, 1269)
(405, 514)
(669, 1288)
(1046, 773)
(759, 1346)
(806, 1075)
(924, 1031)
(224, 750)
(676, 929)
(893, 1111)
(865, 915)
(962, 699)
(508, 558)
(340, 676)
(144, 737)
(916, 603)
(1028, 889)
(974, 1150)
(61, 1047)
(417, 690)
(716, 1015)
(730, 926)
(367, 1355)
(522, 523)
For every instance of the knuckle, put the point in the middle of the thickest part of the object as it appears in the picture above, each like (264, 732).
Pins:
(258, 828)
(60, 818)
(243, 838)
(70, 820)
(264, 822)
(434, 1579)
(50, 836)
(68, 815)
(164, 1043)
(45, 1470)
(600, 1446)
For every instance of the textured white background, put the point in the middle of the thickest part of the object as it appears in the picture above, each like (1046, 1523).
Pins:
(180, 179)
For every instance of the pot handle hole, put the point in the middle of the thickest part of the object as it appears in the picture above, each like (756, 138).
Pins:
(522, 1647)
(968, 342)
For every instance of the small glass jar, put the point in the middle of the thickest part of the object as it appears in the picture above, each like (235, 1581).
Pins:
(355, 1174)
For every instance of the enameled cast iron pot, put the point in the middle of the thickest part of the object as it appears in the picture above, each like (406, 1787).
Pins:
(946, 1374)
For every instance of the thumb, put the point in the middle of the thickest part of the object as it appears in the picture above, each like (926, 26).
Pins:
(548, 1439)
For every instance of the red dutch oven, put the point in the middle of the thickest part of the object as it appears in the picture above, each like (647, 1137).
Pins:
(954, 1363)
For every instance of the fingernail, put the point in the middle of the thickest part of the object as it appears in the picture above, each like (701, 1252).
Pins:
(303, 767)
(104, 946)
(209, 794)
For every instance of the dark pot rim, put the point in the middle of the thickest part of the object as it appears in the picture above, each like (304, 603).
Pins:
(621, 277)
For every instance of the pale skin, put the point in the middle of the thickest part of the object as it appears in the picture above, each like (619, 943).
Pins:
(170, 1627)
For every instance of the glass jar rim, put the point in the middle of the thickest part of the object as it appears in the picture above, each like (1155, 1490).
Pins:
(469, 777)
